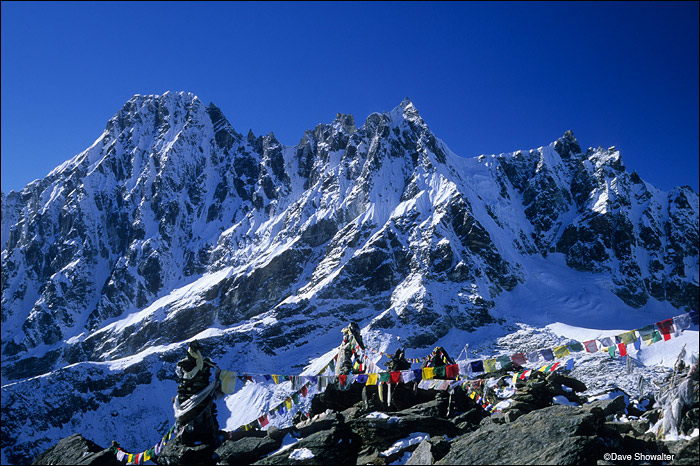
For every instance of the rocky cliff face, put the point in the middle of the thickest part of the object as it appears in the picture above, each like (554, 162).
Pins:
(173, 225)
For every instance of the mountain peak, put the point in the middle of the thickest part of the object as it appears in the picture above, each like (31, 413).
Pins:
(567, 145)
(405, 111)
(406, 102)
(167, 107)
(180, 97)
(346, 122)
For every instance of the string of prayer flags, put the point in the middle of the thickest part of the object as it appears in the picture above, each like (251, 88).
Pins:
(150, 454)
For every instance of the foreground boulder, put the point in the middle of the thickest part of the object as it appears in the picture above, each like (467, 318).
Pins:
(78, 450)
(338, 445)
(552, 435)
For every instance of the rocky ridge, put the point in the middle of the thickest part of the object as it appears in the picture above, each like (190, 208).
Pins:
(434, 427)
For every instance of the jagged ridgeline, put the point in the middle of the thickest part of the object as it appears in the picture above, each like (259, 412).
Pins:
(173, 225)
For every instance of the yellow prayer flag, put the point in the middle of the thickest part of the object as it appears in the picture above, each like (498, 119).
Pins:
(130, 458)
(372, 379)
(472, 395)
(541, 369)
(428, 373)
(146, 455)
(288, 403)
(276, 378)
(628, 337)
(490, 365)
(561, 351)
(515, 377)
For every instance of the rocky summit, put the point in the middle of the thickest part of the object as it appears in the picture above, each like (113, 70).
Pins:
(173, 226)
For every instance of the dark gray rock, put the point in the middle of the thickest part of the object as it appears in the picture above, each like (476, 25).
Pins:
(324, 421)
(76, 450)
(177, 452)
(246, 450)
(382, 433)
(553, 435)
(608, 407)
(429, 451)
(335, 446)
(685, 451)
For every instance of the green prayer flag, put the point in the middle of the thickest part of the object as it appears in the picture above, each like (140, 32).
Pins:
(611, 351)
(384, 377)
(506, 363)
(295, 398)
(575, 346)
(440, 371)
(656, 336)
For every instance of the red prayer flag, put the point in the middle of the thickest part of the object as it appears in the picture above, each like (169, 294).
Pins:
(304, 390)
(518, 359)
(591, 346)
(394, 377)
(666, 328)
(554, 367)
(452, 371)
(622, 348)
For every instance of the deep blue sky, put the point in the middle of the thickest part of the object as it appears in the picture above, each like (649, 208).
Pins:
(487, 77)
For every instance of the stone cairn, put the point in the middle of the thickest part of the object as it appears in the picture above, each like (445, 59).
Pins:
(195, 411)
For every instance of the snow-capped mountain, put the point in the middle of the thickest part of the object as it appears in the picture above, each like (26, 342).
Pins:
(173, 226)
